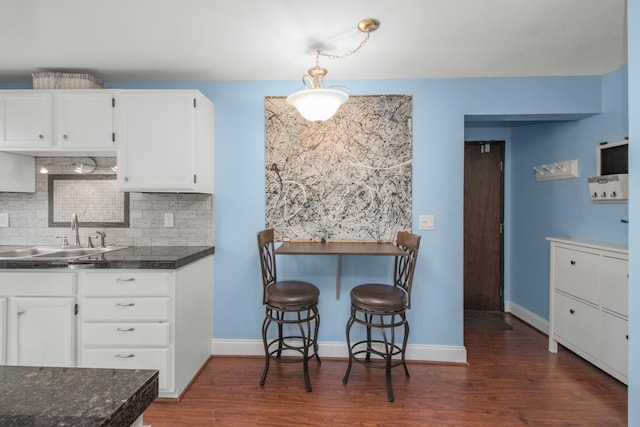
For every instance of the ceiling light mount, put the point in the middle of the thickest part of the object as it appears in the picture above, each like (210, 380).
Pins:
(317, 103)
(368, 25)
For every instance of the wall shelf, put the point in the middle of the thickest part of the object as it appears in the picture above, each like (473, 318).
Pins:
(558, 170)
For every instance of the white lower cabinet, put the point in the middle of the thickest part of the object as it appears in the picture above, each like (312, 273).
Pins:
(588, 301)
(148, 319)
(130, 319)
(40, 320)
(3, 331)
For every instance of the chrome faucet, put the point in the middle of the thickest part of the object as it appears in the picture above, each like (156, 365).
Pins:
(76, 228)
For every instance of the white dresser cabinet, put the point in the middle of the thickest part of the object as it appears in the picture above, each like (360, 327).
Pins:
(165, 141)
(40, 318)
(148, 319)
(57, 122)
(588, 310)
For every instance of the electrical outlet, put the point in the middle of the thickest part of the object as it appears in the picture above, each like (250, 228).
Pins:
(4, 219)
(168, 219)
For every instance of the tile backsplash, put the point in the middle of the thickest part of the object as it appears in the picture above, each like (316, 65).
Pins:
(28, 214)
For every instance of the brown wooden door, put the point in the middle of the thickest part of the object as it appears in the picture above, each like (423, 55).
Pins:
(483, 225)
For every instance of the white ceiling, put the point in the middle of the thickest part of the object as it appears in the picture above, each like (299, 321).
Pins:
(119, 40)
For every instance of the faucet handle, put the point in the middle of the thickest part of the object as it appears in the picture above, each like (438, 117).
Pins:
(89, 242)
(101, 235)
(65, 242)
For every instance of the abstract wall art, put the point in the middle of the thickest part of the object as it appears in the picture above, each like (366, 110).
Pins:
(348, 178)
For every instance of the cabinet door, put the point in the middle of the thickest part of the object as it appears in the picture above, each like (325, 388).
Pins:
(26, 120)
(41, 331)
(576, 273)
(577, 323)
(84, 120)
(614, 343)
(156, 144)
(3, 331)
(614, 285)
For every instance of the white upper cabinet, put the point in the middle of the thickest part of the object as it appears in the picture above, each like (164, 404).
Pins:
(84, 120)
(165, 141)
(26, 120)
(17, 173)
(57, 122)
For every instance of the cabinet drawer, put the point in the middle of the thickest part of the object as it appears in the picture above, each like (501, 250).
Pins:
(36, 284)
(125, 334)
(614, 285)
(125, 309)
(577, 323)
(131, 358)
(614, 343)
(125, 283)
(576, 273)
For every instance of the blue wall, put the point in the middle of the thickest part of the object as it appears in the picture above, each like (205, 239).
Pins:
(563, 208)
(535, 210)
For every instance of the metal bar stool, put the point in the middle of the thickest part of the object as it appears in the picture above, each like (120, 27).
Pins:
(384, 307)
(291, 305)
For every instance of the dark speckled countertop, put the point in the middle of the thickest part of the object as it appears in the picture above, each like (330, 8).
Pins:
(153, 257)
(46, 397)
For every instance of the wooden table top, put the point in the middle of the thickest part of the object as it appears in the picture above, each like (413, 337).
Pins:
(339, 248)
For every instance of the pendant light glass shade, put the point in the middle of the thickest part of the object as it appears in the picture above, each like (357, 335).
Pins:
(318, 105)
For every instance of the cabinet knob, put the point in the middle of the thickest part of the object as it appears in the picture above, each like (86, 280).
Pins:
(40, 136)
(126, 178)
(572, 311)
(64, 136)
(572, 262)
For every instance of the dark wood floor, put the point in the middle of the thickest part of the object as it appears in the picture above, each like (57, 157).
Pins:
(511, 380)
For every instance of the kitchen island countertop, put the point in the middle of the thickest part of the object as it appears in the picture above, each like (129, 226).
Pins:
(43, 396)
(135, 257)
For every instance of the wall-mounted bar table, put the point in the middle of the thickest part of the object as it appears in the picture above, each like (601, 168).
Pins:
(339, 249)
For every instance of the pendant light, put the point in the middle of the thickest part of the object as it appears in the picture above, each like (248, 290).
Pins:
(317, 103)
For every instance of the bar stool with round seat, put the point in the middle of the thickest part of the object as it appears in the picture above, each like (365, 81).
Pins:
(293, 306)
(383, 307)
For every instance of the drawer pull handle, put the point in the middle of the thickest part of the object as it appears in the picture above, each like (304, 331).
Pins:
(572, 262)
(572, 311)
(130, 279)
(124, 356)
(125, 330)
(131, 304)
(21, 312)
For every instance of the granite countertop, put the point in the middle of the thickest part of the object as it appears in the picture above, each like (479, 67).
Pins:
(152, 257)
(44, 397)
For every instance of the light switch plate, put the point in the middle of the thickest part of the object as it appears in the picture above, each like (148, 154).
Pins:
(4, 219)
(427, 222)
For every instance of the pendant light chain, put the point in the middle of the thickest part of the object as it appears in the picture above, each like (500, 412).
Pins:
(320, 53)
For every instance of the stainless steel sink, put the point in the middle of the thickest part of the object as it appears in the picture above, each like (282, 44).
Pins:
(28, 252)
(56, 252)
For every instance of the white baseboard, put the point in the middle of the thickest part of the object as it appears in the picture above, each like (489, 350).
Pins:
(527, 316)
(417, 352)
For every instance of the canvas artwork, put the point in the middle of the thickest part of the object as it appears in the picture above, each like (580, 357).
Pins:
(348, 178)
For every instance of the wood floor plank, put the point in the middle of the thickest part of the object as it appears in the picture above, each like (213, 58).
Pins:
(511, 380)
